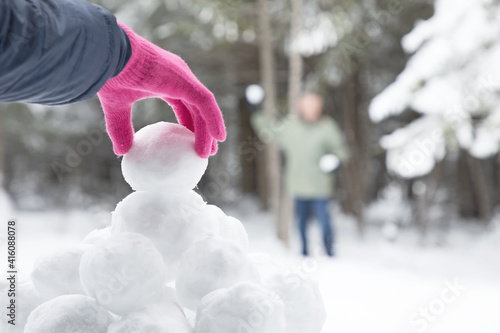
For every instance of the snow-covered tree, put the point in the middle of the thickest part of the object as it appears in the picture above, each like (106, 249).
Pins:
(453, 81)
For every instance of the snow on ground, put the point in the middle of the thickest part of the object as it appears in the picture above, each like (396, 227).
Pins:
(401, 287)
(371, 286)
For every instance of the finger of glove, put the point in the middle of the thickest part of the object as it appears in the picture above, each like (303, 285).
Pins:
(214, 148)
(118, 124)
(176, 81)
(186, 114)
(182, 84)
(207, 107)
(203, 141)
(182, 113)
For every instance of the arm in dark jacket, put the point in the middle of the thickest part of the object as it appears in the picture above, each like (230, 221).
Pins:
(58, 51)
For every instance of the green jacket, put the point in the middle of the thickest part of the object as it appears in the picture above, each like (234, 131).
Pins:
(304, 144)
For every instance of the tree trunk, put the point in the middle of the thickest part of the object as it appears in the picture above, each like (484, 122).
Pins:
(248, 161)
(262, 183)
(267, 74)
(294, 90)
(295, 60)
(480, 187)
(356, 129)
(465, 192)
(425, 201)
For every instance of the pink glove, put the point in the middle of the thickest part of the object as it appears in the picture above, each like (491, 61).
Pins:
(154, 72)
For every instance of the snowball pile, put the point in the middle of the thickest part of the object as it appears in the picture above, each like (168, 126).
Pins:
(167, 253)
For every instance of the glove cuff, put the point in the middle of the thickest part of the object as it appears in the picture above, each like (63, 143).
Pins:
(141, 66)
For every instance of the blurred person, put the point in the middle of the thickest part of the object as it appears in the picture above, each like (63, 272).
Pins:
(56, 52)
(306, 139)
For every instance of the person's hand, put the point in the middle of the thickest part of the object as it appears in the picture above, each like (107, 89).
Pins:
(154, 72)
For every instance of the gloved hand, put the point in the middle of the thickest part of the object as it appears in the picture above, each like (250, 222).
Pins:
(154, 72)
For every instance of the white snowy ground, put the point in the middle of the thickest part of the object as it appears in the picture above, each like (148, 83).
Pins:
(372, 286)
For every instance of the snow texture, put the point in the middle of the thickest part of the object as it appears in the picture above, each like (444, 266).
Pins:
(27, 298)
(165, 232)
(414, 150)
(57, 273)
(123, 274)
(6, 204)
(172, 223)
(97, 236)
(317, 36)
(245, 307)
(266, 265)
(373, 286)
(209, 265)
(69, 313)
(163, 159)
(232, 229)
(452, 79)
(304, 307)
(162, 317)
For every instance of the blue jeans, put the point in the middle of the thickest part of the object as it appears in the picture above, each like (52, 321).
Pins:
(303, 209)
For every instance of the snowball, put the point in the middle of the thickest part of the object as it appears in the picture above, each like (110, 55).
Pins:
(254, 94)
(27, 299)
(266, 265)
(163, 317)
(124, 273)
(245, 307)
(209, 265)
(57, 273)
(97, 236)
(304, 307)
(232, 229)
(168, 295)
(173, 223)
(328, 163)
(69, 313)
(163, 158)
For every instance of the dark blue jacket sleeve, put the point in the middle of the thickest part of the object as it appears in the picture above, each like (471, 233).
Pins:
(58, 51)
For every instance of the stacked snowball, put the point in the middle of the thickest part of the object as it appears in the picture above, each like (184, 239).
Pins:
(162, 235)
